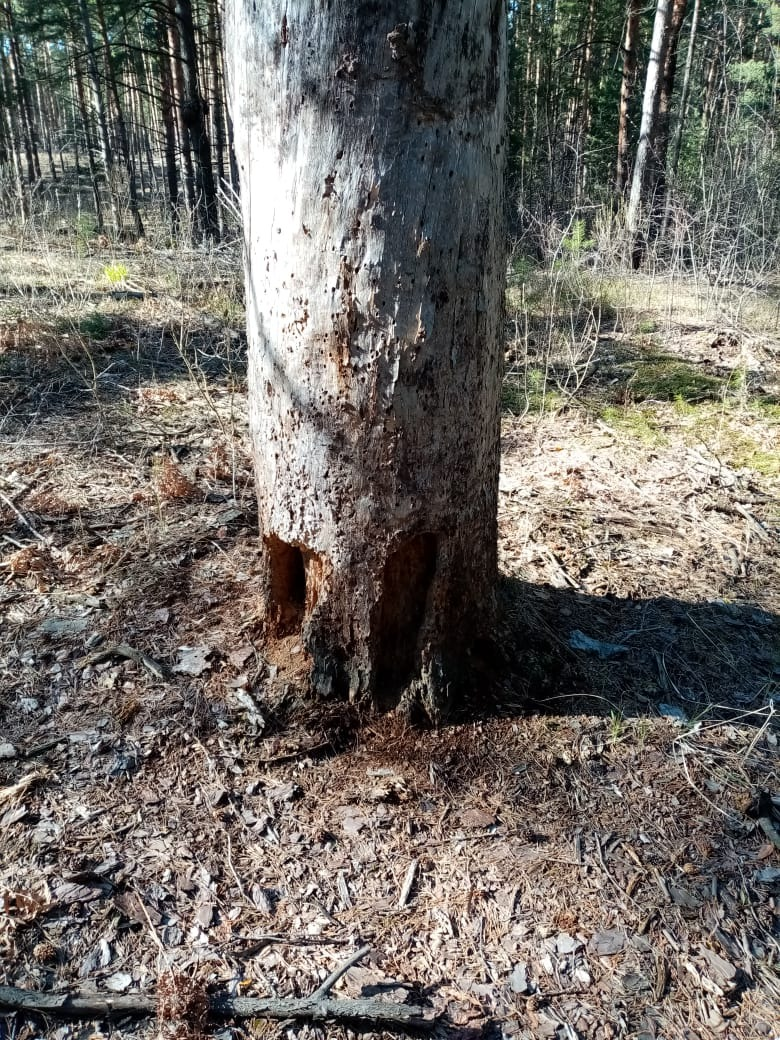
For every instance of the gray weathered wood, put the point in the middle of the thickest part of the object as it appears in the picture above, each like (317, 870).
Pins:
(370, 142)
(102, 1005)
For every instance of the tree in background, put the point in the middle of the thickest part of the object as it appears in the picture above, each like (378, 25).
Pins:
(648, 129)
(628, 80)
(119, 110)
(134, 90)
(371, 144)
(708, 183)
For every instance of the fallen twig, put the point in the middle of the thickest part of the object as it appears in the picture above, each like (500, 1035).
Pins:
(22, 519)
(124, 650)
(316, 1007)
(323, 990)
(103, 1005)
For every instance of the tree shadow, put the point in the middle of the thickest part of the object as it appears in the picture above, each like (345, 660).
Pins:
(567, 652)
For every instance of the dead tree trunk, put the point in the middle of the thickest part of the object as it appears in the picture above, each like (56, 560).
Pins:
(371, 149)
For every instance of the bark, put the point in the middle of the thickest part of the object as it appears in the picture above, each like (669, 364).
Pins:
(234, 175)
(20, 89)
(674, 154)
(13, 138)
(644, 152)
(99, 108)
(108, 1006)
(169, 127)
(177, 86)
(194, 115)
(657, 189)
(217, 99)
(83, 109)
(370, 144)
(626, 92)
(584, 117)
(119, 114)
(121, 125)
(45, 124)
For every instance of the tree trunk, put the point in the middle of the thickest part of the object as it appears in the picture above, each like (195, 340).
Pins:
(644, 152)
(217, 99)
(177, 86)
(626, 91)
(674, 154)
(88, 144)
(13, 137)
(194, 117)
(100, 114)
(121, 126)
(370, 144)
(657, 189)
(20, 89)
(167, 116)
(584, 117)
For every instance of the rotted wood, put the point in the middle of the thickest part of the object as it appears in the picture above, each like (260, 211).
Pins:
(101, 1005)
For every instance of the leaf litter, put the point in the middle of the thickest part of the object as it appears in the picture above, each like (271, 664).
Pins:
(583, 856)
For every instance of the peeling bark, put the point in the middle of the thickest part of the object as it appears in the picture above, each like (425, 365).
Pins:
(370, 143)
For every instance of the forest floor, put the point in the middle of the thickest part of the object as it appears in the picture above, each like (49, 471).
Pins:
(593, 855)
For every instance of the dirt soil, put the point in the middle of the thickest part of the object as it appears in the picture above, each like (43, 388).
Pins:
(593, 853)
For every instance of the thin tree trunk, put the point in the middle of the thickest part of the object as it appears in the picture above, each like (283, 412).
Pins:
(584, 116)
(626, 91)
(44, 124)
(86, 122)
(177, 85)
(217, 98)
(19, 82)
(194, 117)
(149, 99)
(100, 114)
(75, 114)
(644, 152)
(14, 138)
(121, 126)
(372, 181)
(657, 181)
(169, 128)
(674, 154)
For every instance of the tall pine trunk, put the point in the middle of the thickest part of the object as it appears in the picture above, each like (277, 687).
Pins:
(121, 125)
(626, 91)
(676, 145)
(177, 90)
(657, 188)
(638, 200)
(101, 120)
(194, 119)
(370, 140)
